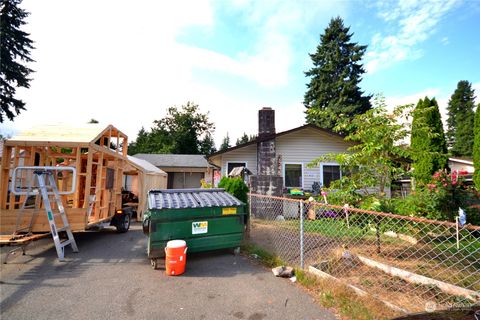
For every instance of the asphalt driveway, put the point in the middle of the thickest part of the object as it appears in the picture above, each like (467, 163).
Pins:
(111, 278)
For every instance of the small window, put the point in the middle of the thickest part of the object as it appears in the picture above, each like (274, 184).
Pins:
(330, 173)
(232, 165)
(293, 175)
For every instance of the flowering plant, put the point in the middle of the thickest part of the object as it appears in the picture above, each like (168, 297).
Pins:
(452, 192)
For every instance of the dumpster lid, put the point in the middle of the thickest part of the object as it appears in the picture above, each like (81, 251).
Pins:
(190, 198)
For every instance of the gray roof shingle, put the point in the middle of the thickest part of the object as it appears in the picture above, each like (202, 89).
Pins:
(175, 160)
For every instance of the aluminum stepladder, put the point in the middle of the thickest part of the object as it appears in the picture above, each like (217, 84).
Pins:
(47, 187)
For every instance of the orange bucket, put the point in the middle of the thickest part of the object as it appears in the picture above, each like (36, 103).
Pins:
(175, 257)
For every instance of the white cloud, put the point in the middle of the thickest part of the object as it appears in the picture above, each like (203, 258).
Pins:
(414, 22)
(441, 97)
(122, 63)
(476, 87)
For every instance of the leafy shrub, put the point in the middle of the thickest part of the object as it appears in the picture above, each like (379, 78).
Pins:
(236, 187)
(374, 204)
(441, 198)
(341, 197)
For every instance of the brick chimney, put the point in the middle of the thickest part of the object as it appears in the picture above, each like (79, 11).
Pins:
(266, 181)
(266, 164)
(266, 122)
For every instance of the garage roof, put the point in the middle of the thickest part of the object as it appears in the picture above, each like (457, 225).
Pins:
(175, 160)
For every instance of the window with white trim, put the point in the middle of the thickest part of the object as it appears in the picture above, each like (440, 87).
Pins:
(293, 175)
(330, 173)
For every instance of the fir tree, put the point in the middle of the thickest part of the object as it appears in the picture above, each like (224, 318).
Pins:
(333, 90)
(428, 143)
(460, 120)
(225, 143)
(476, 150)
(207, 145)
(243, 139)
(15, 47)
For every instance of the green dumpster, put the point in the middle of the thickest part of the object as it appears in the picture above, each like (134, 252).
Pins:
(207, 219)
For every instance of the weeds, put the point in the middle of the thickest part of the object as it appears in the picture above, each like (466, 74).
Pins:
(328, 294)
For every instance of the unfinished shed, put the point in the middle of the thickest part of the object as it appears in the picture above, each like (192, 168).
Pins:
(141, 176)
(99, 155)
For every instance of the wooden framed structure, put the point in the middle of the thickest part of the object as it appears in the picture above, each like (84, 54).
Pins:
(98, 154)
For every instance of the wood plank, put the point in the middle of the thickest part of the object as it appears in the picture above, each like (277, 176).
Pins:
(92, 224)
(4, 175)
(8, 240)
(15, 164)
(8, 219)
(78, 168)
(419, 279)
(98, 187)
(88, 181)
(63, 144)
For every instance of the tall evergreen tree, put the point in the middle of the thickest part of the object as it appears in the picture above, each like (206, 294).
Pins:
(428, 143)
(245, 138)
(225, 143)
(333, 90)
(207, 145)
(476, 149)
(15, 47)
(460, 120)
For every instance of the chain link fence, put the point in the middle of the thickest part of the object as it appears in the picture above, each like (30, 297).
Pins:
(412, 263)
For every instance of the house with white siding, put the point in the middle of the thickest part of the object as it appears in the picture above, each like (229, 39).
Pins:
(285, 154)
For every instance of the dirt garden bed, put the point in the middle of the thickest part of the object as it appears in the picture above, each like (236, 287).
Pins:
(283, 239)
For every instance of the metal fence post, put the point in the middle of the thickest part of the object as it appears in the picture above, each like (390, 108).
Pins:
(301, 235)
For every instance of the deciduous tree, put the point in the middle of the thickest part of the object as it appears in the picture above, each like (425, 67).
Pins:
(375, 159)
(176, 133)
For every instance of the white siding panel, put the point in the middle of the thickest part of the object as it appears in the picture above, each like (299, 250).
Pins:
(306, 145)
(297, 147)
(246, 154)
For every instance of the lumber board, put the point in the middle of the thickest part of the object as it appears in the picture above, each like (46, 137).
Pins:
(88, 181)
(7, 239)
(62, 144)
(8, 220)
(419, 279)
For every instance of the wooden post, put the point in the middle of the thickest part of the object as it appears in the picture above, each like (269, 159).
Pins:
(4, 176)
(98, 188)
(15, 164)
(88, 180)
(78, 167)
(248, 227)
(378, 234)
(457, 232)
(124, 145)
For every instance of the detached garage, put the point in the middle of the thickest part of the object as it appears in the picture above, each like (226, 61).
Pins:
(184, 170)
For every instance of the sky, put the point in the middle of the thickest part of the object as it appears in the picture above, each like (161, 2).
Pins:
(125, 62)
